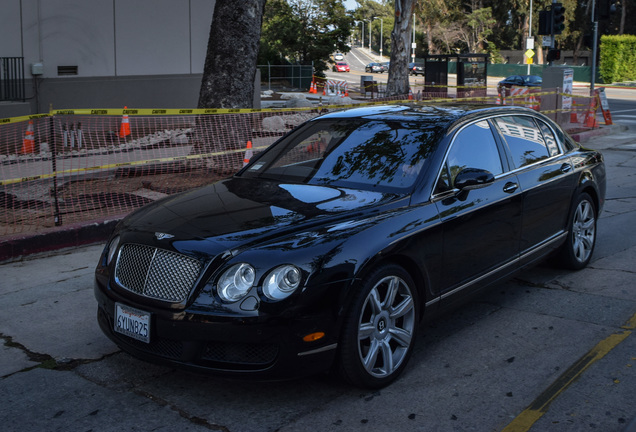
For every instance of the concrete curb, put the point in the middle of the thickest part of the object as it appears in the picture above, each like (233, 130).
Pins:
(584, 136)
(17, 247)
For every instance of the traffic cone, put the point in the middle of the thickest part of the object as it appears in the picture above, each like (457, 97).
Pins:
(28, 144)
(574, 118)
(124, 129)
(248, 153)
(590, 120)
(533, 103)
(410, 94)
(324, 90)
(346, 91)
(498, 101)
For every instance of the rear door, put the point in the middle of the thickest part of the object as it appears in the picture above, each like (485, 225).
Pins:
(546, 177)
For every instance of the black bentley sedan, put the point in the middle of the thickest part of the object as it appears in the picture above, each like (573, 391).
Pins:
(332, 245)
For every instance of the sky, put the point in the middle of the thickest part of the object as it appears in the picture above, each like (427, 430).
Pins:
(350, 4)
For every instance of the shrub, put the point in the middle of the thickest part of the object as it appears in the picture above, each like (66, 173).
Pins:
(617, 58)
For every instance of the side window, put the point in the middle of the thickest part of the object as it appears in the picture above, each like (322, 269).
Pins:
(524, 139)
(473, 147)
(549, 139)
(567, 141)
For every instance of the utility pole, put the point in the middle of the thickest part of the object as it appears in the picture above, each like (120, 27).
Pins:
(594, 46)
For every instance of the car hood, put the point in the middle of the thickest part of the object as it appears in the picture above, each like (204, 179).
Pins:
(246, 211)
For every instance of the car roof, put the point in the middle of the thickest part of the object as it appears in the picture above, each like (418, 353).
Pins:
(450, 114)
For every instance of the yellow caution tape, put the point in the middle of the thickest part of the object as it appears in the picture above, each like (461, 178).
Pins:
(22, 118)
(124, 164)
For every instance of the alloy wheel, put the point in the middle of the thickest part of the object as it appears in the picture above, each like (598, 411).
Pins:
(386, 326)
(583, 231)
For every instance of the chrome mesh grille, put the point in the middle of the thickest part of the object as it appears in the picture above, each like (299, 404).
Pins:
(156, 273)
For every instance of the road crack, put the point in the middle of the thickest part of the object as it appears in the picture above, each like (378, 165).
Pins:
(194, 419)
(45, 361)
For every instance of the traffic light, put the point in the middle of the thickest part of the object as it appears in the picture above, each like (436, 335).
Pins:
(558, 18)
(545, 23)
(553, 54)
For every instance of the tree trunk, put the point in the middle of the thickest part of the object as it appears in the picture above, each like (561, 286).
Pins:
(398, 83)
(432, 49)
(621, 29)
(230, 62)
(228, 82)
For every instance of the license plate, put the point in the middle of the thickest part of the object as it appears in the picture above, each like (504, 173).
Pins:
(132, 322)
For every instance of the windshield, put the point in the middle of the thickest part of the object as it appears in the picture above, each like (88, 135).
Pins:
(353, 153)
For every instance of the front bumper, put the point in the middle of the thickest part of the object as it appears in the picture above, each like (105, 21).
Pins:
(242, 347)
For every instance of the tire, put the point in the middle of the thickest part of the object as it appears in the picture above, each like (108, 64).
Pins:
(379, 329)
(577, 251)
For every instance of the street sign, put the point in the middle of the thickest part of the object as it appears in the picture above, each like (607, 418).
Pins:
(530, 43)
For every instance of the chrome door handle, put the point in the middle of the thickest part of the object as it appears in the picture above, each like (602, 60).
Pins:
(510, 187)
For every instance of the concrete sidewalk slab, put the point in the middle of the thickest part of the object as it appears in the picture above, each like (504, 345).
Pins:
(41, 314)
(63, 401)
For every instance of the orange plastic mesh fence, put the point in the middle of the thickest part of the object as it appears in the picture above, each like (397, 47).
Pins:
(64, 168)
(86, 167)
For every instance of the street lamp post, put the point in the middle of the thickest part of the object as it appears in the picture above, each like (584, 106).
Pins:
(362, 33)
(594, 46)
(413, 43)
(530, 33)
(370, 21)
(381, 31)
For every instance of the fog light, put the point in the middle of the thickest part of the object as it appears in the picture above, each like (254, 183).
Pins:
(313, 336)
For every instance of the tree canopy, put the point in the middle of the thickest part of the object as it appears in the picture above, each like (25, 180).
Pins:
(304, 32)
(441, 26)
(309, 31)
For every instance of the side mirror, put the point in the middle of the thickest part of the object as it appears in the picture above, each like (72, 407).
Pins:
(473, 178)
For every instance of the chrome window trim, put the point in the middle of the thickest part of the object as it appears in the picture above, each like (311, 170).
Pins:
(436, 197)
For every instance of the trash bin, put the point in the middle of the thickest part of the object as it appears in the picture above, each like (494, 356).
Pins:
(367, 85)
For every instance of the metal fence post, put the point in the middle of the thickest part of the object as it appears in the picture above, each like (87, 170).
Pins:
(56, 215)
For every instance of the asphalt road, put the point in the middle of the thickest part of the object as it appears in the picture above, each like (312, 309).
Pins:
(547, 351)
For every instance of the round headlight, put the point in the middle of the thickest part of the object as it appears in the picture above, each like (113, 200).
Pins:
(112, 248)
(281, 282)
(235, 282)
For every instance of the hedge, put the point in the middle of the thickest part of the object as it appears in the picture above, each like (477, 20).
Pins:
(617, 58)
